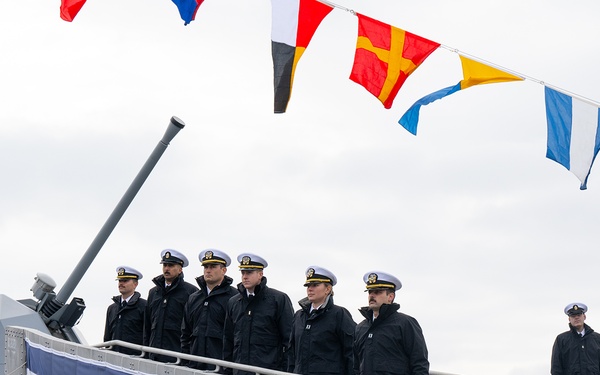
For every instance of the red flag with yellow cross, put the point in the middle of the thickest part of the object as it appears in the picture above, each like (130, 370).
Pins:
(385, 57)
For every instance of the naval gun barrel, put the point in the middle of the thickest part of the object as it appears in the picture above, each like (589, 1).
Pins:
(175, 125)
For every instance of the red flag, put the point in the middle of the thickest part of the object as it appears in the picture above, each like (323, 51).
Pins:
(386, 56)
(70, 8)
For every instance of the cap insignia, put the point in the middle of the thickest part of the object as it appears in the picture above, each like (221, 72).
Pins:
(208, 255)
(310, 272)
(121, 271)
(168, 254)
(575, 307)
(246, 260)
(372, 278)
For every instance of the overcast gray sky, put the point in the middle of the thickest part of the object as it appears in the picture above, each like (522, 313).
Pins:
(490, 239)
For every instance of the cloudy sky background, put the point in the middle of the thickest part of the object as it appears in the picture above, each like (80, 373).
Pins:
(490, 239)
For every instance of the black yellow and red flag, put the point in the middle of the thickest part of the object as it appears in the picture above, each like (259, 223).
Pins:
(294, 24)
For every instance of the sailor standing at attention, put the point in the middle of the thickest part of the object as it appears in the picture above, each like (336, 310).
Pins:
(322, 332)
(204, 313)
(259, 320)
(125, 317)
(164, 313)
(387, 341)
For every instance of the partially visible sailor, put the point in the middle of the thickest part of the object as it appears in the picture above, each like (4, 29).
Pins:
(576, 351)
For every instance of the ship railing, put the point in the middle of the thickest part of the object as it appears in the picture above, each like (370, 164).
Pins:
(180, 357)
(17, 338)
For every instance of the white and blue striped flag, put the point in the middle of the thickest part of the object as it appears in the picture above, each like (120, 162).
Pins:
(573, 133)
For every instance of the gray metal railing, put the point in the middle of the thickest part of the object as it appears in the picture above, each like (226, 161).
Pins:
(16, 355)
(216, 362)
(188, 357)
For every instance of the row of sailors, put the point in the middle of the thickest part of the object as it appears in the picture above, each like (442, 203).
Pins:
(256, 325)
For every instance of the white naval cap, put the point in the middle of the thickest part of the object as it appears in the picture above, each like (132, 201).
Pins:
(210, 256)
(576, 308)
(251, 262)
(381, 280)
(315, 274)
(126, 272)
(173, 256)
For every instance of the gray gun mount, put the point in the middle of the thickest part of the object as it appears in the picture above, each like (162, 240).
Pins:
(50, 312)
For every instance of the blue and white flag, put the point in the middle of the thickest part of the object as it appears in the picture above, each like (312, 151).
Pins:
(573, 136)
(46, 361)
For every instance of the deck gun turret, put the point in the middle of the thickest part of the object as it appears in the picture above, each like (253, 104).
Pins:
(50, 312)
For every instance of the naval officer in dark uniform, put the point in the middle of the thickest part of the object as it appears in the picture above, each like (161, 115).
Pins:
(387, 341)
(125, 317)
(322, 332)
(204, 313)
(164, 313)
(259, 320)
(576, 351)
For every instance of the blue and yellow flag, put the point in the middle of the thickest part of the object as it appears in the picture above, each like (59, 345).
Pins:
(474, 73)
